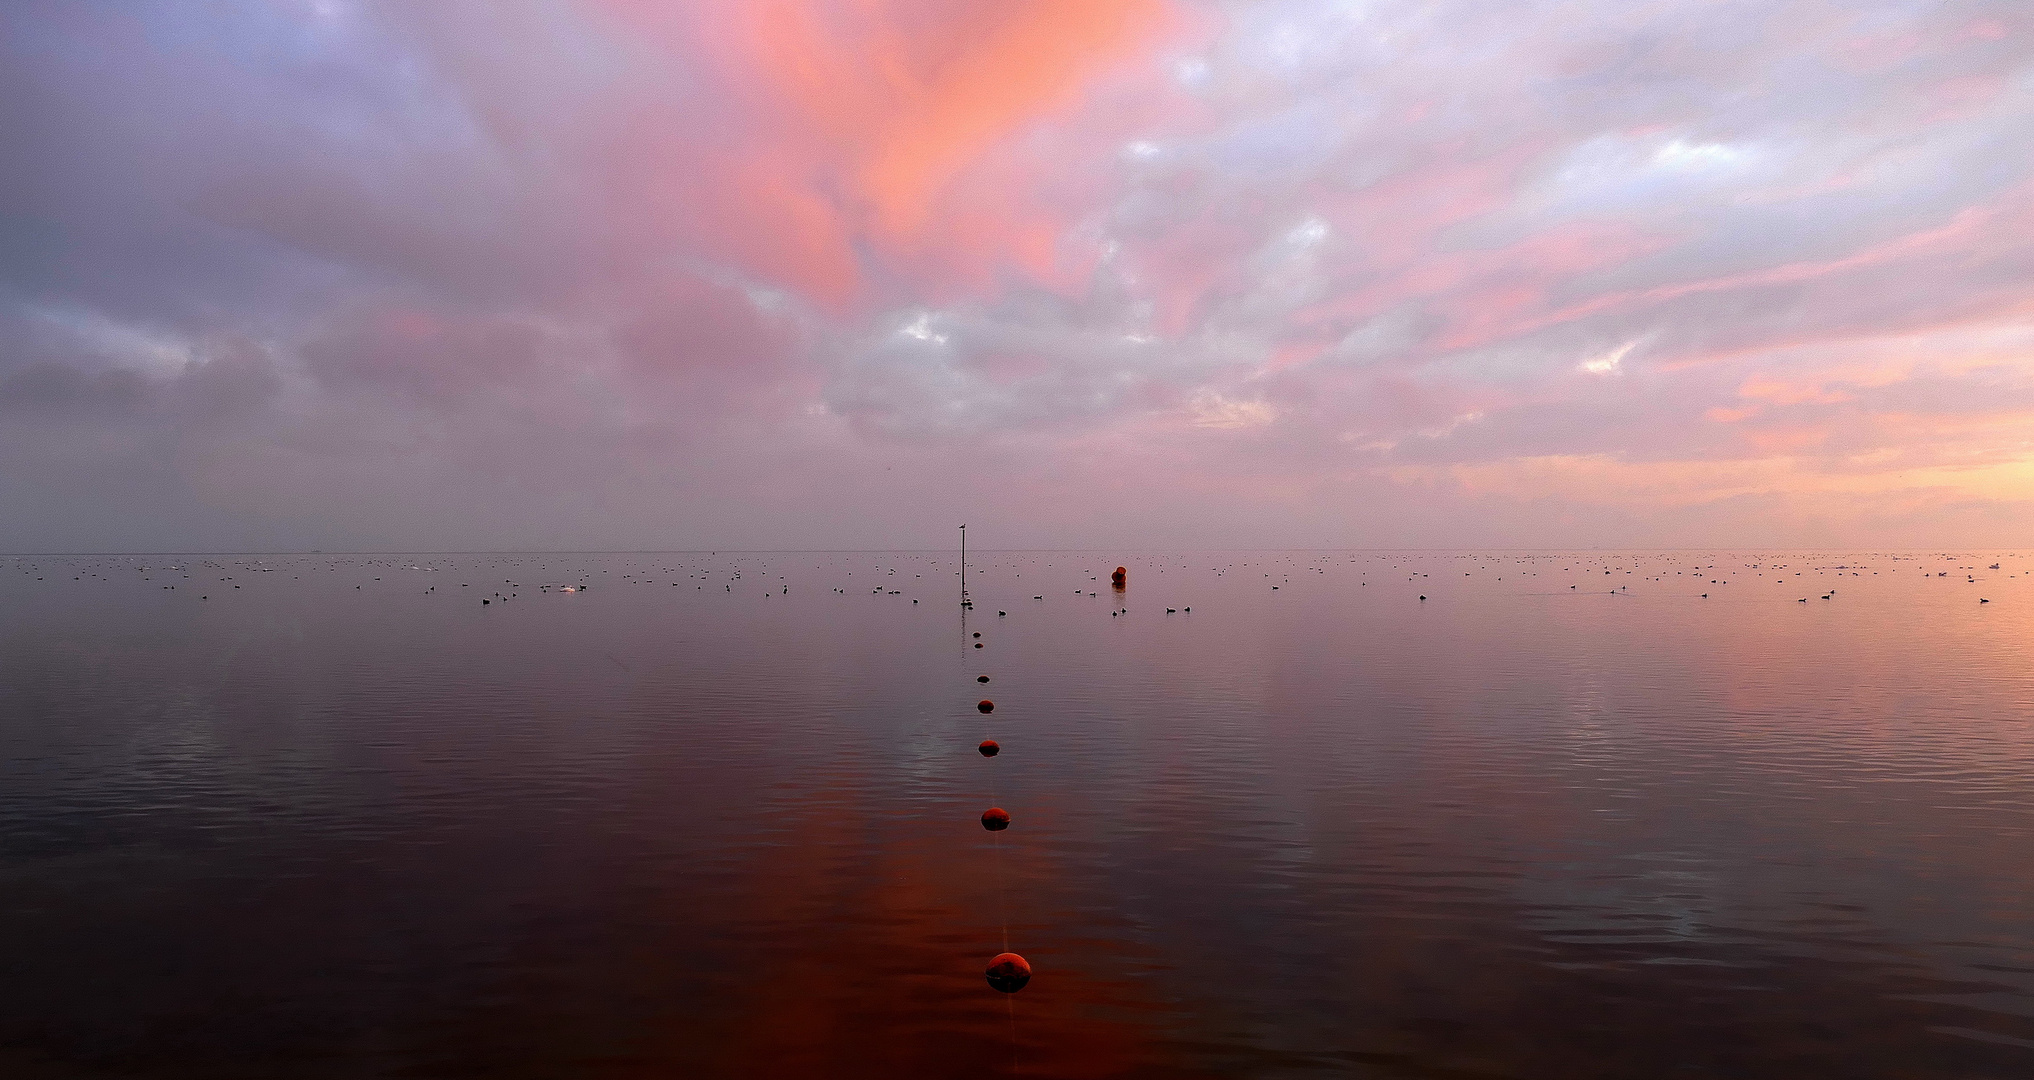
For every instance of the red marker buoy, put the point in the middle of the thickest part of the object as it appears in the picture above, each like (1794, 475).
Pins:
(1009, 972)
(995, 819)
(986, 705)
(1119, 578)
(990, 749)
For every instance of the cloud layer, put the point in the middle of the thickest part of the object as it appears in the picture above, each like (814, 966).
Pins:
(622, 274)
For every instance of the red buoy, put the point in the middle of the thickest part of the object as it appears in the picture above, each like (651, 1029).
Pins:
(986, 705)
(989, 748)
(1118, 578)
(995, 819)
(1009, 972)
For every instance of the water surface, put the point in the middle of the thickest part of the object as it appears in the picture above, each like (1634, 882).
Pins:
(715, 814)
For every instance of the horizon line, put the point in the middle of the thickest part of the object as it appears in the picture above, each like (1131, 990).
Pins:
(871, 551)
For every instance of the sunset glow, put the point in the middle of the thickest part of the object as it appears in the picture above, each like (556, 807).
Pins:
(624, 274)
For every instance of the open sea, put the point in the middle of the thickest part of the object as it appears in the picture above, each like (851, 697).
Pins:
(1274, 814)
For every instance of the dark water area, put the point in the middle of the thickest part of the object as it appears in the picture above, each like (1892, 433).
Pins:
(718, 815)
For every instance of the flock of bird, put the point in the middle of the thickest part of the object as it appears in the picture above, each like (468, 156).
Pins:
(220, 576)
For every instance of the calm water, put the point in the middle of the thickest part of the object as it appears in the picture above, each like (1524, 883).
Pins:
(331, 816)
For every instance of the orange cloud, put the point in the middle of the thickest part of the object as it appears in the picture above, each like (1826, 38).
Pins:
(908, 93)
(859, 120)
(1789, 391)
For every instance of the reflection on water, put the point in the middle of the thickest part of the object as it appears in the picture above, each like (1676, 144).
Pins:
(717, 814)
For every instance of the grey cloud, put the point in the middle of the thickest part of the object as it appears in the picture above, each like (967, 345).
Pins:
(446, 273)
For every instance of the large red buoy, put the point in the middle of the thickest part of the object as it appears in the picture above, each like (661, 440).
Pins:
(1009, 972)
(986, 705)
(995, 819)
(989, 748)
(1119, 578)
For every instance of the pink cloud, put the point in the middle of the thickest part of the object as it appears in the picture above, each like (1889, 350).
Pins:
(842, 269)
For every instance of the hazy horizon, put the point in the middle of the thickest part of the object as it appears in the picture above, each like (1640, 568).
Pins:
(973, 551)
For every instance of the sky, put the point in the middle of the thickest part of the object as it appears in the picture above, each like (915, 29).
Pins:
(633, 275)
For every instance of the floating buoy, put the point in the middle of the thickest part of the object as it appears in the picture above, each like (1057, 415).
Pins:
(989, 748)
(1008, 972)
(995, 819)
(981, 678)
(986, 705)
(1119, 578)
